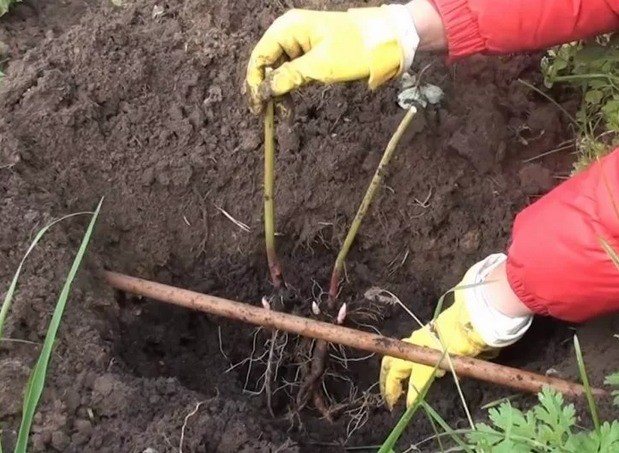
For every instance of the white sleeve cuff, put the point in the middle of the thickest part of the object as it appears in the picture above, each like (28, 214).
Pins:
(406, 32)
(495, 328)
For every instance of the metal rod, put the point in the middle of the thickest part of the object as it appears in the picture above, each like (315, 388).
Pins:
(464, 366)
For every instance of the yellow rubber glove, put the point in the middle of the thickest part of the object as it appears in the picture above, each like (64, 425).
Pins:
(304, 46)
(457, 335)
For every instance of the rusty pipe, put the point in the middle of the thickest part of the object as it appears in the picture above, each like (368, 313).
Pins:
(513, 378)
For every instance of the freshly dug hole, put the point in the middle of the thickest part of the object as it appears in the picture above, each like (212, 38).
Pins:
(147, 111)
(272, 364)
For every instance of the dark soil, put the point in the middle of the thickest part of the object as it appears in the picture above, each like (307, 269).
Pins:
(146, 110)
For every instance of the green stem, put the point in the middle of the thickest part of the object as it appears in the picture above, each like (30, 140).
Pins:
(572, 77)
(377, 180)
(269, 193)
(585, 382)
(559, 106)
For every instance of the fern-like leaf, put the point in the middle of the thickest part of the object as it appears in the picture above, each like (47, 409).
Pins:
(591, 442)
(555, 419)
(613, 380)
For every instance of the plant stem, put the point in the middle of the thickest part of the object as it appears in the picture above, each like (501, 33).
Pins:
(269, 192)
(573, 77)
(585, 382)
(559, 106)
(377, 180)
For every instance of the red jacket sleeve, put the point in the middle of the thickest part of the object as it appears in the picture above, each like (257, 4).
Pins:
(505, 26)
(556, 264)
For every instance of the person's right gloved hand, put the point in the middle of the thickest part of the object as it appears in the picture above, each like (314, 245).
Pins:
(303, 46)
(457, 336)
(470, 327)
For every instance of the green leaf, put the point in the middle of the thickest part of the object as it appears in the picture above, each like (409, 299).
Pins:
(609, 436)
(613, 380)
(607, 440)
(610, 111)
(591, 67)
(599, 84)
(34, 389)
(5, 5)
(591, 54)
(594, 97)
(551, 410)
(485, 436)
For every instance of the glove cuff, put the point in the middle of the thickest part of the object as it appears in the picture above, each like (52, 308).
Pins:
(495, 328)
(390, 38)
(406, 32)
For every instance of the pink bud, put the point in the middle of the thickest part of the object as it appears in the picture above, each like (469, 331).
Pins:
(265, 303)
(341, 315)
(315, 308)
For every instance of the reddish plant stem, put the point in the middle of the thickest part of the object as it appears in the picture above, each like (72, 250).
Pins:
(334, 286)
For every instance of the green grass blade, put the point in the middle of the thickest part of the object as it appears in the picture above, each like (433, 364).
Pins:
(445, 427)
(395, 434)
(36, 382)
(585, 382)
(437, 435)
(8, 299)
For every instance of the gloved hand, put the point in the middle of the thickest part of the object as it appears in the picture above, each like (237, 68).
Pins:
(458, 336)
(469, 327)
(374, 43)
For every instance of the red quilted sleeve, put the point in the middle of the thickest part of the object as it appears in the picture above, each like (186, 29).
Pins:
(556, 263)
(506, 26)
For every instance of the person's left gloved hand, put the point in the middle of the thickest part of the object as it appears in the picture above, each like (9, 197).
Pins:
(303, 46)
(470, 327)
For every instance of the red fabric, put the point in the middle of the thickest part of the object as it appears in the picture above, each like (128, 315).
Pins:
(505, 26)
(556, 264)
